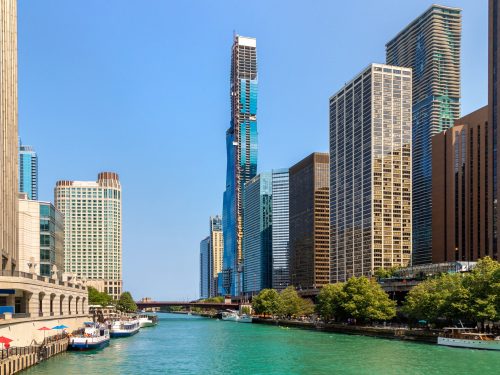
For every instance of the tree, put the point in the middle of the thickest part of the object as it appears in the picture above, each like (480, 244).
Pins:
(483, 285)
(307, 307)
(267, 302)
(290, 302)
(330, 300)
(126, 303)
(383, 273)
(364, 299)
(99, 298)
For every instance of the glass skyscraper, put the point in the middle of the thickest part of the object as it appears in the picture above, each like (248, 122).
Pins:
(257, 242)
(280, 231)
(241, 143)
(205, 268)
(430, 45)
(28, 171)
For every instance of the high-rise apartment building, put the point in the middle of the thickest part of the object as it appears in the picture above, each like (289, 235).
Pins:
(461, 202)
(93, 229)
(28, 171)
(241, 143)
(370, 172)
(430, 45)
(280, 228)
(41, 237)
(8, 135)
(257, 240)
(494, 110)
(216, 251)
(205, 268)
(310, 222)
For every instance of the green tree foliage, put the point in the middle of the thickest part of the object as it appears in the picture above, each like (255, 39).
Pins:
(474, 296)
(99, 298)
(366, 300)
(436, 298)
(330, 299)
(288, 303)
(126, 303)
(383, 273)
(360, 298)
(267, 302)
(218, 299)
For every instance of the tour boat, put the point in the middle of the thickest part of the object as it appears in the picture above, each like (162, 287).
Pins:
(234, 316)
(124, 328)
(94, 337)
(148, 320)
(468, 338)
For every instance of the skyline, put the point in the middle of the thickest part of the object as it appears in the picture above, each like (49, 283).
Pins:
(275, 93)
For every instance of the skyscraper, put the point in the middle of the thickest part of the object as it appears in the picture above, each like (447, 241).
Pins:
(280, 229)
(461, 191)
(310, 222)
(216, 251)
(370, 172)
(257, 242)
(28, 171)
(430, 45)
(494, 109)
(205, 268)
(93, 229)
(241, 143)
(8, 135)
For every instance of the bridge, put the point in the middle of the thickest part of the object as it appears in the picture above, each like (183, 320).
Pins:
(203, 305)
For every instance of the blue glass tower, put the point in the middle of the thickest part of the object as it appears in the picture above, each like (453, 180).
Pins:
(430, 45)
(241, 143)
(28, 171)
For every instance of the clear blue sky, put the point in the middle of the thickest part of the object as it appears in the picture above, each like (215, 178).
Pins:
(142, 88)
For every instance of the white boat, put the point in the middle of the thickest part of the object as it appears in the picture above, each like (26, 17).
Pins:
(94, 337)
(124, 328)
(234, 316)
(468, 338)
(148, 320)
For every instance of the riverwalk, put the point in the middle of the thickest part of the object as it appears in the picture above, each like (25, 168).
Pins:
(16, 359)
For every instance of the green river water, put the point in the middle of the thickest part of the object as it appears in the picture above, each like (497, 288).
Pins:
(191, 345)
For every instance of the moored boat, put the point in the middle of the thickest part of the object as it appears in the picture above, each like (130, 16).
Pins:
(124, 328)
(234, 316)
(93, 337)
(148, 320)
(468, 338)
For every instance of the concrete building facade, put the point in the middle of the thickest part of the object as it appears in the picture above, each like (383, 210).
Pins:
(93, 229)
(370, 172)
(8, 135)
(216, 253)
(430, 45)
(310, 222)
(462, 213)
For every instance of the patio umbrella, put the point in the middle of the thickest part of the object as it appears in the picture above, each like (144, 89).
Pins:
(62, 326)
(44, 329)
(4, 340)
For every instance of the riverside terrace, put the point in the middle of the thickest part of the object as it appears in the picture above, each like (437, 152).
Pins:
(28, 300)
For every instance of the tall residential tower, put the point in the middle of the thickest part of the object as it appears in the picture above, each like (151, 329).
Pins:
(93, 229)
(28, 171)
(216, 251)
(430, 45)
(241, 143)
(8, 135)
(370, 172)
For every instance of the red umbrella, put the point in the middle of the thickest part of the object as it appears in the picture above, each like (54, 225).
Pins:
(44, 329)
(4, 340)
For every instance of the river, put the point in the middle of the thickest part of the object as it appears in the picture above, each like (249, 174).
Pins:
(183, 344)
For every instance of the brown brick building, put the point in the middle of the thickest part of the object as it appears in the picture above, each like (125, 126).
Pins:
(462, 213)
(310, 222)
